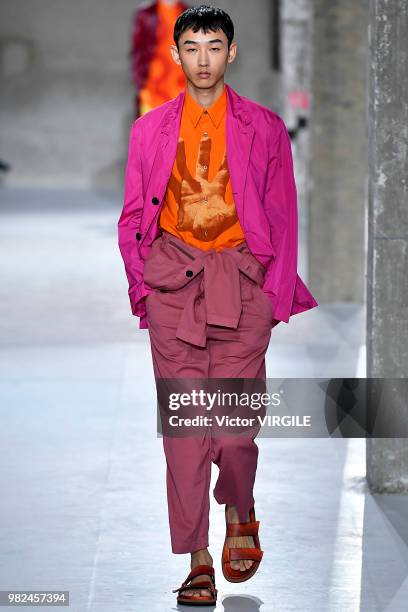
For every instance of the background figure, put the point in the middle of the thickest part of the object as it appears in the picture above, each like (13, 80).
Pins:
(155, 75)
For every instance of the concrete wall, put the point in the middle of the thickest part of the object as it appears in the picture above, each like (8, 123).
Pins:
(338, 150)
(387, 286)
(66, 97)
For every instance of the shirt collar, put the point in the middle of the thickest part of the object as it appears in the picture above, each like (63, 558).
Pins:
(216, 110)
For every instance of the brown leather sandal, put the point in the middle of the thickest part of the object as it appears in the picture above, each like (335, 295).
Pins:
(235, 554)
(201, 600)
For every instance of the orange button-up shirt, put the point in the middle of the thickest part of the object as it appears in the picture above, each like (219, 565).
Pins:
(198, 204)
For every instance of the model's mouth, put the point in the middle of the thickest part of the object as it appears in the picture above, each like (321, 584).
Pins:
(204, 74)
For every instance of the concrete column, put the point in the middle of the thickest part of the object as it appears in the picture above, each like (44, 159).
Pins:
(295, 85)
(338, 150)
(387, 266)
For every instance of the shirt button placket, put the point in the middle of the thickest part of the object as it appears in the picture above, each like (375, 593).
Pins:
(205, 166)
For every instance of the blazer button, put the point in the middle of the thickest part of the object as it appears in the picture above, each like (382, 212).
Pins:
(189, 273)
(138, 235)
(155, 200)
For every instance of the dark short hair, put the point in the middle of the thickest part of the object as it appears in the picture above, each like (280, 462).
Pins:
(206, 18)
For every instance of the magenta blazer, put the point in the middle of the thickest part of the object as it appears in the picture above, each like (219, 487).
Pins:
(260, 164)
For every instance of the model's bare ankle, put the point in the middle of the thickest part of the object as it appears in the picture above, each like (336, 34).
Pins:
(201, 557)
(233, 516)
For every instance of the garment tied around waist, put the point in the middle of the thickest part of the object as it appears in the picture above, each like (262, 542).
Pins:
(217, 297)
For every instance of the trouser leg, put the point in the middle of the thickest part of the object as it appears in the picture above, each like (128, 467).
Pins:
(188, 478)
(240, 355)
(188, 461)
(236, 458)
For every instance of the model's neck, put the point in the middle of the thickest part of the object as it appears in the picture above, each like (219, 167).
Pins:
(205, 97)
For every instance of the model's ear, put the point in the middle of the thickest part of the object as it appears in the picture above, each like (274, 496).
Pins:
(232, 52)
(175, 54)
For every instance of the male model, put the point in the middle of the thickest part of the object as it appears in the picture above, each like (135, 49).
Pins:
(208, 235)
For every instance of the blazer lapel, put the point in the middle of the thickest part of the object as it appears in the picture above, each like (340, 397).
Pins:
(163, 160)
(239, 133)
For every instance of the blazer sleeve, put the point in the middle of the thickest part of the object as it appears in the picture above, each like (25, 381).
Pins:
(281, 210)
(129, 224)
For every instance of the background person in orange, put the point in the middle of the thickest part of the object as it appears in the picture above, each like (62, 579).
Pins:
(155, 75)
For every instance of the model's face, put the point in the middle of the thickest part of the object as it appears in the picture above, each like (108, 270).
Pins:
(204, 57)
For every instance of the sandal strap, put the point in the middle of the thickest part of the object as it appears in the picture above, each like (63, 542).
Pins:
(197, 571)
(242, 529)
(202, 584)
(237, 554)
(197, 585)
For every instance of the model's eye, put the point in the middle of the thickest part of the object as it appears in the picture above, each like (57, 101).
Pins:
(188, 50)
(215, 49)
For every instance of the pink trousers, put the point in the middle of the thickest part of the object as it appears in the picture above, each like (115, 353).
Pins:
(207, 317)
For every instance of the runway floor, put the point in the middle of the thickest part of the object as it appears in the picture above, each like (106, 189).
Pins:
(83, 504)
